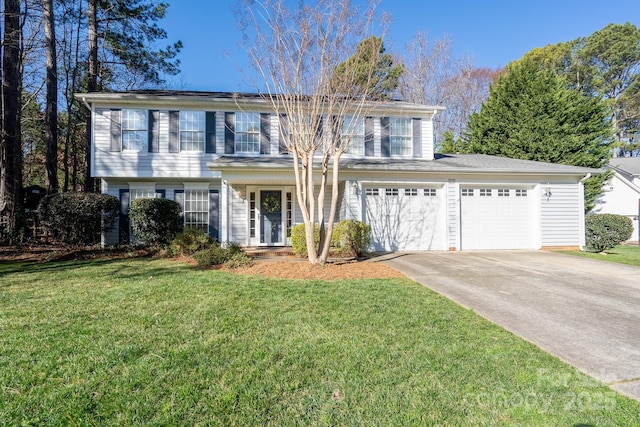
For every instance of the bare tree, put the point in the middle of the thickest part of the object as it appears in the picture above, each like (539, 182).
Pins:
(295, 52)
(433, 76)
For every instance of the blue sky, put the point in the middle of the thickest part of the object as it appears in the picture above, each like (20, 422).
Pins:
(493, 32)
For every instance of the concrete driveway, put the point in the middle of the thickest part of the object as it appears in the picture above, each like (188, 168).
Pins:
(586, 312)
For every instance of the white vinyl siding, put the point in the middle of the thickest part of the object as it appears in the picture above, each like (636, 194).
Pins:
(561, 215)
(132, 164)
(135, 132)
(400, 136)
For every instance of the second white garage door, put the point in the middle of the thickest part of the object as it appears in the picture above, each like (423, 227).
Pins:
(405, 219)
(497, 218)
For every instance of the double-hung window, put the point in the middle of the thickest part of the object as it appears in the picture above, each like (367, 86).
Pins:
(196, 209)
(192, 130)
(135, 130)
(353, 131)
(400, 136)
(247, 137)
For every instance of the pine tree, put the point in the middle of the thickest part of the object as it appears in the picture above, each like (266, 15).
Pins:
(530, 114)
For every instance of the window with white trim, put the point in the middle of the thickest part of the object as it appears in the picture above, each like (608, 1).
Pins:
(400, 136)
(410, 191)
(485, 192)
(247, 133)
(391, 191)
(467, 192)
(503, 192)
(353, 131)
(371, 192)
(135, 130)
(196, 209)
(521, 192)
(192, 130)
(431, 192)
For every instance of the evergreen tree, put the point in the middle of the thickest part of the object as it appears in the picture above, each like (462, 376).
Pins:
(379, 84)
(449, 145)
(530, 114)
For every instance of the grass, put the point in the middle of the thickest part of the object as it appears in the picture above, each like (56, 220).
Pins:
(154, 342)
(622, 254)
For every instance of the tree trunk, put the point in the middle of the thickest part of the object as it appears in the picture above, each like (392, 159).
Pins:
(51, 109)
(92, 85)
(12, 201)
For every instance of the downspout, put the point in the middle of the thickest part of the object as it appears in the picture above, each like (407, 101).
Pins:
(433, 133)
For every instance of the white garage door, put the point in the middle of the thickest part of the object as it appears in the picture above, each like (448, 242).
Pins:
(406, 218)
(496, 218)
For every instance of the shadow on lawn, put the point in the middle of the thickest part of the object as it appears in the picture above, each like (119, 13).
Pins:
(101, 266)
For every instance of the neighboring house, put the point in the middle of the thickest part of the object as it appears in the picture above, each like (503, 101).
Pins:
(219, 155)
(621, 193)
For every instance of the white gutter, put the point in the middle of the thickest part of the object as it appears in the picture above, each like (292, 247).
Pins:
(586, 177)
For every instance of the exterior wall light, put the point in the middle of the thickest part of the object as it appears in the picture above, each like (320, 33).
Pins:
(354, 188)
(547, 191)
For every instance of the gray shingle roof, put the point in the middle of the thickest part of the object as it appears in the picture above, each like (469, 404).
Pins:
(630, 165)
(450, 163)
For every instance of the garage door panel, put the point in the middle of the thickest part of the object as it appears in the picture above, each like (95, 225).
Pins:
(496, 218)
(405, 219)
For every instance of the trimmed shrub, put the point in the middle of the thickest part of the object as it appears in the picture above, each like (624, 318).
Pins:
(605, 231)
(155, 221)
(78, 218)
(351, 238)
(189, 242)
(237, 260)
(299, 241)
(231, 255)
(213, 255)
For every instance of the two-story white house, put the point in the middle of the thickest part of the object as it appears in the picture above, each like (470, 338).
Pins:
(219, 155)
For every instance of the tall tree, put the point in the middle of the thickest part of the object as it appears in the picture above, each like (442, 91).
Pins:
(11, 201)
(301, 56)
(92, 84)
(605, 64)
(51, 107)
(531, 115)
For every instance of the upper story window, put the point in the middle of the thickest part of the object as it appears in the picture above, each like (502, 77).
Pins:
(135, 131)
(353, 130)
(247, 138)
(192, 130)
(400, 136)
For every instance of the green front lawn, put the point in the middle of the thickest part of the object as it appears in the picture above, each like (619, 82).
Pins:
(135, 342)
(623, 254)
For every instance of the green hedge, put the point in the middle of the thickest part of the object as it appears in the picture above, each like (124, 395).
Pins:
(351, 237)
(605, 231)
(78, 218)
(155, 221)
